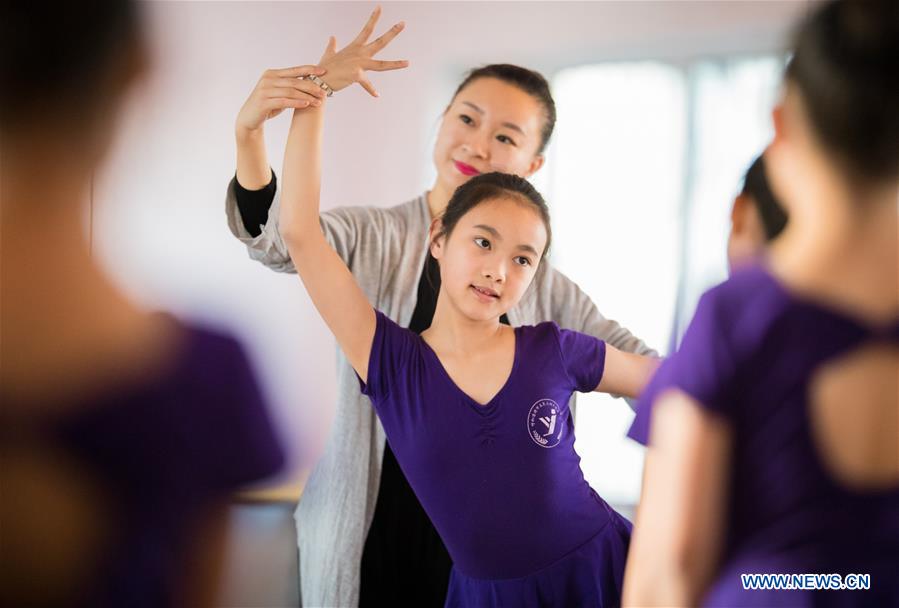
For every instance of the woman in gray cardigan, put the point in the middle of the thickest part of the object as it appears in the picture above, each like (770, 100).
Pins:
(363, 537)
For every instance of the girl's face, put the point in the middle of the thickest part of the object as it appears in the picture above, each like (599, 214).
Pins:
(746, 242)
(490, 258)
(489, 126)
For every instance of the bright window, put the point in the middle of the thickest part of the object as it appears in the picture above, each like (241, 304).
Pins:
(642, 171)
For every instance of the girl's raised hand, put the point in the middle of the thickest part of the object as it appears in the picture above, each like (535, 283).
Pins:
(349, 64)
(277, 90)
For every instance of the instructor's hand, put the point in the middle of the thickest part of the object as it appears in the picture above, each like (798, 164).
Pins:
(277, 90)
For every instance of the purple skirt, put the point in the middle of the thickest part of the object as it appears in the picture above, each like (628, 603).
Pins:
(591, 575)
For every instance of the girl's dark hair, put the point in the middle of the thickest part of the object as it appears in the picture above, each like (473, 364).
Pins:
(845, 64)
(755, 186)
(529, 81)
(489, 186)
(56, 57)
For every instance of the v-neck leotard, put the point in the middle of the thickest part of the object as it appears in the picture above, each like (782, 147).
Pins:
(502, 482)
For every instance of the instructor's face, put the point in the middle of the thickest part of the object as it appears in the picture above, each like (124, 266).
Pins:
(489, 126)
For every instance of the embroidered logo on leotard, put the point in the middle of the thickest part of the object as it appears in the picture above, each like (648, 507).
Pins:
(545, 423)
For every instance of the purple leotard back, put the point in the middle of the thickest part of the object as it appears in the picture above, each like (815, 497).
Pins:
(749, 355)
(163, 450)
(501, 482)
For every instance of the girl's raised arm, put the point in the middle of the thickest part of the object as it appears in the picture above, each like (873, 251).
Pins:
(333, 289)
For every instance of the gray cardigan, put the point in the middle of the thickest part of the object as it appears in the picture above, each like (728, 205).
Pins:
(385, 249)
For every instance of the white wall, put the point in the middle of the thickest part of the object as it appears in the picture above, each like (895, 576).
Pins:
(158, 221)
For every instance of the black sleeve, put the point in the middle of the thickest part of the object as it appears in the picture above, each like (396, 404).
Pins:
(254, 204)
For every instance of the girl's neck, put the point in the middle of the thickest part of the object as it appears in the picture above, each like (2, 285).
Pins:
(848, 259)
(44, 225)
(453, 332)
(63, 320)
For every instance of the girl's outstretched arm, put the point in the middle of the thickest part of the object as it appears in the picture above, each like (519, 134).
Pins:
(625, 373)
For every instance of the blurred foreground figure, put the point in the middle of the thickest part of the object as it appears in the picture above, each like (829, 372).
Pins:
(123, 432)
(773, 432)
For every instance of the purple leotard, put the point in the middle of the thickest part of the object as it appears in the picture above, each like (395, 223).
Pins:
(748, 356)
(502, 482)
(164, 449)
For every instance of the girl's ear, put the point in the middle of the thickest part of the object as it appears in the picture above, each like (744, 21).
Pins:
(738, 214)
(777, 120)
(780, 168)
(436, 238)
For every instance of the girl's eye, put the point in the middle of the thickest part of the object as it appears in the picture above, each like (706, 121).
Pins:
(522, 261)
(466, 119)
(505, 139)
(482, 243)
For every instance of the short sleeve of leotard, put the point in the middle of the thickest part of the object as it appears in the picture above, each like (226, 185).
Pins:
(238, 440)
(202, 429)
(392, 350)
(583, 357)
(703, 367)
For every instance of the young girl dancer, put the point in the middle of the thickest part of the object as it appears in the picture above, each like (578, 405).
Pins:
(476, 411)
(773, 440)
(123, 432)
(362, 535)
